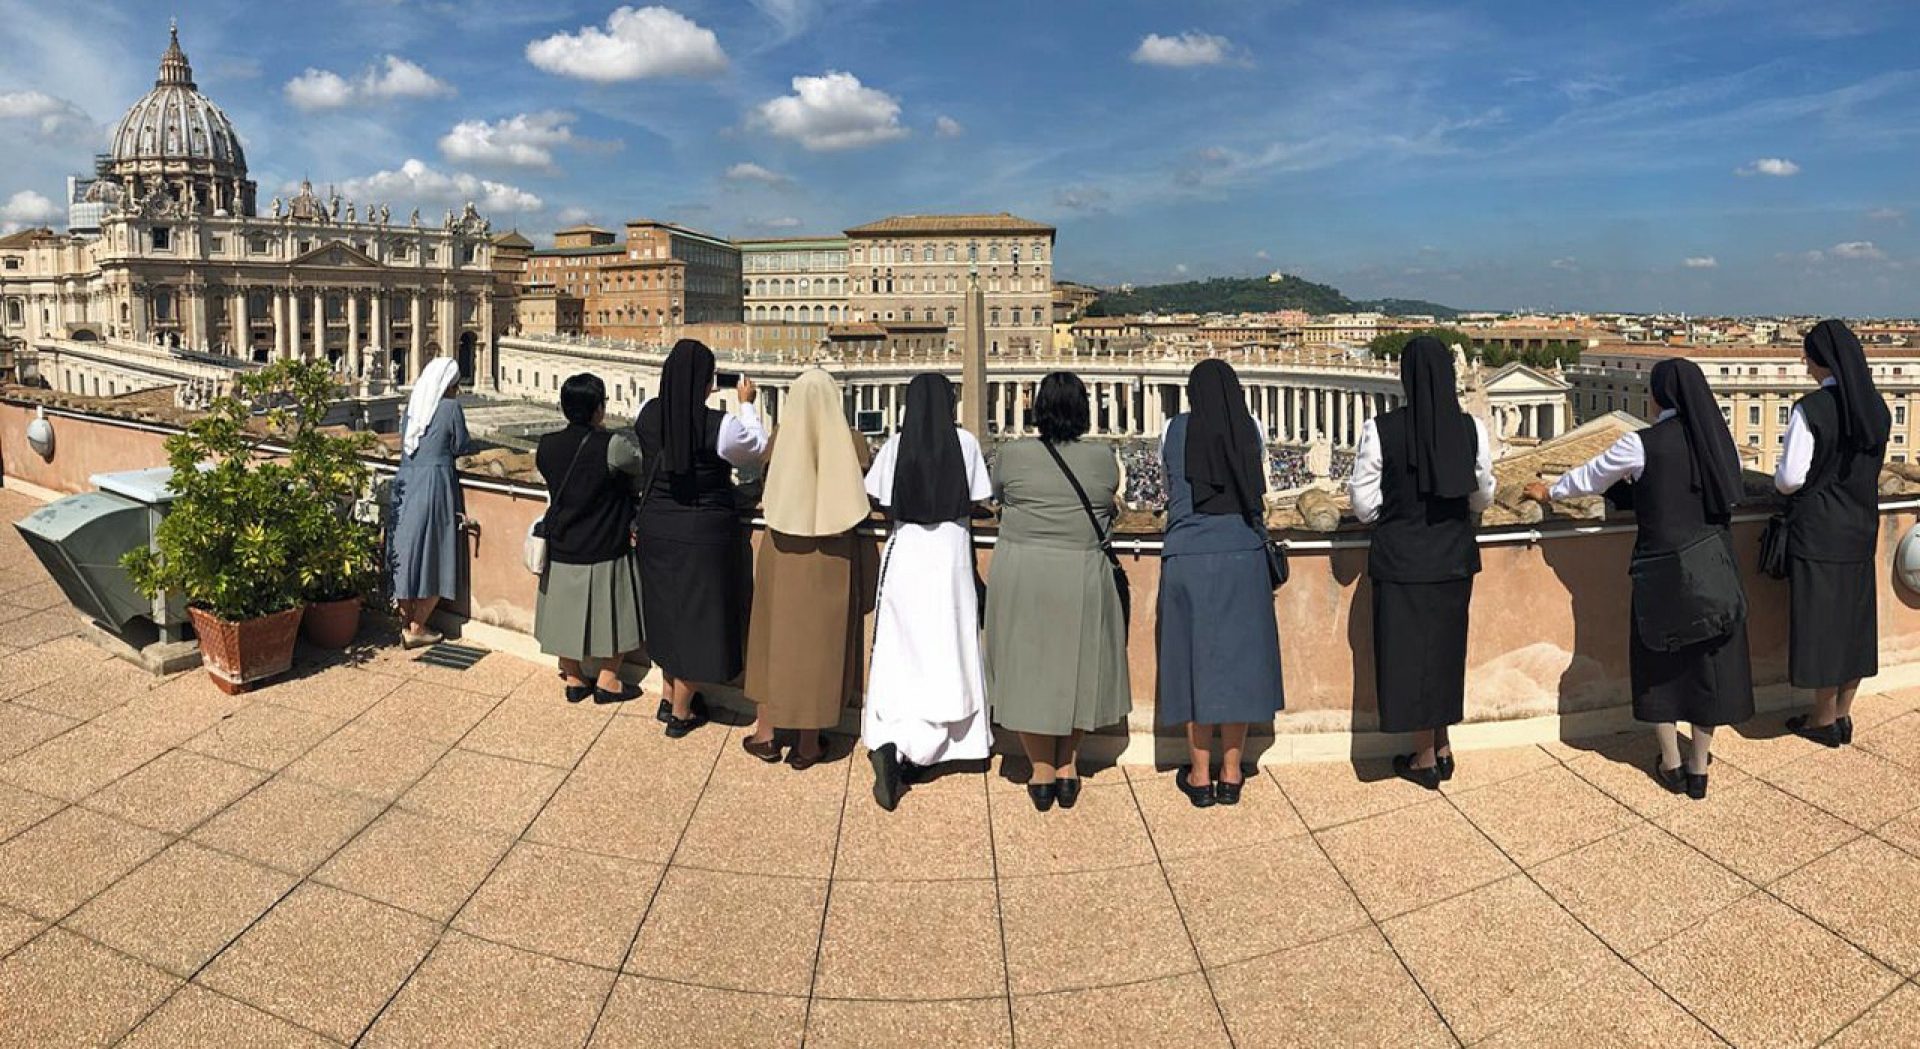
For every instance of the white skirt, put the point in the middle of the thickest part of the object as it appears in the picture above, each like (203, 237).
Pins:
(927, 691)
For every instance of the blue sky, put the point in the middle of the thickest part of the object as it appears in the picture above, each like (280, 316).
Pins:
(1702, 155)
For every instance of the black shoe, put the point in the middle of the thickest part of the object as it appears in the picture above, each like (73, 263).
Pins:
(1830, 735)
(1697, 786)
(1202, 797)
(1068, 791)
(665, 713)
(1043, 794)
(1225, 793)
(576, 693)
(1846, 729)
(909, 772)
(1674, 779)
(1428, 777)
(768, 752)
(696, 717)
(1444, 763)
(886, 776)
(602, 697)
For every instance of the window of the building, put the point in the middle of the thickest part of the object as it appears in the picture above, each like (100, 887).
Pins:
(1900, 415)
(993, 317)
(1753, 415)
(13, 263)
(217, 243)
(14, 313)
(1781, 414)
(162, 238)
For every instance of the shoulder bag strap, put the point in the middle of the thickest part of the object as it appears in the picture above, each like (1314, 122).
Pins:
(1099, 534)
(567, 479)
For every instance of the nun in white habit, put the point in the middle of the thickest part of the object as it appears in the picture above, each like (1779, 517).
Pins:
(926, 695)
(423, 547)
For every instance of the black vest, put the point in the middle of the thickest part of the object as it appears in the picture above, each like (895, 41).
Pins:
(591, 517)
(1667, 509)
(1835, 516)
(1418, 540)
(708, 486)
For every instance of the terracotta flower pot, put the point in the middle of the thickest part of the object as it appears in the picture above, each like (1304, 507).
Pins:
(332, 624)
(240, 655)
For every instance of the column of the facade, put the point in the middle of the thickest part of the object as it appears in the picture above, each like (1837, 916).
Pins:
(319, 324)
(294, 344)
(353, 333)
(239, 328)
(449, 324)
(416, 336)
(279, 306)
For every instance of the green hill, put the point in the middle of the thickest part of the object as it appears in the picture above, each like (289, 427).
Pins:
(1250, 295)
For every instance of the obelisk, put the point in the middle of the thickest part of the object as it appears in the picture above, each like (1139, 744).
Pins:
(973, 361)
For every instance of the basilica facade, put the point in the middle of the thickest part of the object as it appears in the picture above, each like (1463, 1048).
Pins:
(183, 258)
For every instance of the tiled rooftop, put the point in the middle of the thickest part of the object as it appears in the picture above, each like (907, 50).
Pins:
(379, 852)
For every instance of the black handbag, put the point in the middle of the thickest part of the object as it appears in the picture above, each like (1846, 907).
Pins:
(1773, 547)
(1277, 570)
(1120, 582)
(1689, 595)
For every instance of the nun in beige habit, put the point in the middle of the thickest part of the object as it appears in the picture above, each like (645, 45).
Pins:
(804, 639)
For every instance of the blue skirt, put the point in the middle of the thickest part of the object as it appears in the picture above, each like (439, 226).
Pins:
(1219, 645)
(423, 544)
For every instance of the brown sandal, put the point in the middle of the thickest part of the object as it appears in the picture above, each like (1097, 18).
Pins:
(799, 762)
(768, 752)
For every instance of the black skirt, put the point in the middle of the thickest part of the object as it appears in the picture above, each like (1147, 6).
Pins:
(1834, 635)
(695, 597)
(1420, 653)
(1709, 684)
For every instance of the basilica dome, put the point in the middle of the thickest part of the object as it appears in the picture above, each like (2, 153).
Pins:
(178, 137)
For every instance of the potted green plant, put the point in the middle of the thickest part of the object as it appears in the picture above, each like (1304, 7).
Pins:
(338, 554)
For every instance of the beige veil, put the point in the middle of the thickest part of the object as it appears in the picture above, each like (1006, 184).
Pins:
(815, 486)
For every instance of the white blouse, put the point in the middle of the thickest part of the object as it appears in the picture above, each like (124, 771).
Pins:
(1625, 460)
(880, 475)
(1796, 454)
(1363, 488)
(743, 440)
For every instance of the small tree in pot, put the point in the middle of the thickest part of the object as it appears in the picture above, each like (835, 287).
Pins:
(339, 554)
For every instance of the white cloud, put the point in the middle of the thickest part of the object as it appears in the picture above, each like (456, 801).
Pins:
(1180, 268)
(52, 117)
(833, 111)
(1858, 251)
(1700, 262)
(27, 208)
(637, 43)
(783, 222)
(946, 127)
(1082, 198)
(391, 79)
(1773, 167)
(526, 140)
(572, 216)
(1568, 263)
(1892, 215)
(746, 171)
(414, 183)
(1183, 51)
(1263, 255)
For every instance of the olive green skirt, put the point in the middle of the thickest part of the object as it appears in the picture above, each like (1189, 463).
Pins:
(589, 611)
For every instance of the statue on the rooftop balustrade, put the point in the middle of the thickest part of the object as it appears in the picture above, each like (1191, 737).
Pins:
(386, 214)
(415, 220)
(276, 207)
(352, 216)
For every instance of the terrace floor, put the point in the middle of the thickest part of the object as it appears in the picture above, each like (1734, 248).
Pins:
(382, 852)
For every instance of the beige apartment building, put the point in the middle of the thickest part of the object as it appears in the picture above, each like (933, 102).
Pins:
(1755, 385)
(794, 280)
(914, 270)
(661, 279)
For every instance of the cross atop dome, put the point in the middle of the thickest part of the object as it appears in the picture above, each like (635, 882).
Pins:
(174, 68)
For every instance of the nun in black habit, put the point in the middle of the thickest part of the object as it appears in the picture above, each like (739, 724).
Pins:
(1687, 647)
(1830, 465)
(696, 571)
(1420, 474)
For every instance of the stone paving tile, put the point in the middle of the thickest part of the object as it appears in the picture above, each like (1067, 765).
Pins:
(1903, 833)
(324, 959)
(483, 791)
(1331, 793)
(1063, 931)
(1759, 746)
(496, 674)
(1474, 769)
(23, 728)
(172, 713)
(1761, 974)
(1897, 740)
(544, 730)
(180, 908)
(471, 992)
(367, 761)
(264, 735)
(288, 825)
(1758, 830)
(416, 863)
(67, 859)
(81, 993)
(568, 904)
(1152, 1015)
(41, 627)
(1261, 899)
(654, 1014)
(440, 715)
(984, 1023)
(176, 791)
(340, 693)
(1869, 893)
(1864, 789)
(943, 834)
(75, 764)
(1544, 814)
(1104, 831)
(1639, 887)
(1888, 1025)
(1348, 991)
(743, 932)
(1619, 1008)
(17, 928)
(1413, 856)
(70, 678)
(196, 1018)
(765, 819)
(1623, 768)
(1178, 830)
(1485, 957)
(20, 809)
(943, 941)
